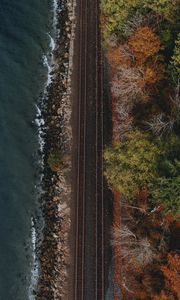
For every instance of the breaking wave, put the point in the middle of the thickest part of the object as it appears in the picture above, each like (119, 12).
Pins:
(48, 62)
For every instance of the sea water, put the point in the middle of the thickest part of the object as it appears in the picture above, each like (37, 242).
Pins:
(26, 28)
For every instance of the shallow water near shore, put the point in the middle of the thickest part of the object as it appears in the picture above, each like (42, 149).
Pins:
(24, 41)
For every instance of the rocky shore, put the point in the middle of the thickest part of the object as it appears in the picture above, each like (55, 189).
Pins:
(54, 260)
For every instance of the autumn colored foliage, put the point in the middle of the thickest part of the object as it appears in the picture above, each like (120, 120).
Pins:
(171, 273)
(119, 56)
(153, 73)
(142, 46)
(144, 43)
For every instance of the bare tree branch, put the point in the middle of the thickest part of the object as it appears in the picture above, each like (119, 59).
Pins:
(139, 250)
(160, 125)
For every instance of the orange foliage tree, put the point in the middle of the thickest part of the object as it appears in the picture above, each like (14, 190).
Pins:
(153, 73)
(171, 273)
(144, 43)
(120, 55)
(163, 296)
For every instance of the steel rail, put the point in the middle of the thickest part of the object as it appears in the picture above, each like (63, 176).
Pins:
(100, 145)
(78, 167)
(81, 122)
(84, 170)
(102, 173)
(78, 161)
(99, 160)
(81, 153)
(96, 15)
(102, 161)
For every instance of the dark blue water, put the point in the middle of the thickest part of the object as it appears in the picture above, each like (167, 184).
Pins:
(23, 41)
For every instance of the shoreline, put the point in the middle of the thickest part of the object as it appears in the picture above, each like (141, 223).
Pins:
(54, 250)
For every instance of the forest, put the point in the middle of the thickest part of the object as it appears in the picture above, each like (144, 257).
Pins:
(141, 41)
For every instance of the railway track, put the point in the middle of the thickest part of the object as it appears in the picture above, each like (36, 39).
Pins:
(89, 233)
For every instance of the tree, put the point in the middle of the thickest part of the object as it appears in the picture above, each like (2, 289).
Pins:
(124, 119)
(144, 43)
(163, 296)
(167, 191)
(169, 164)
(140, 19)
(165, 188)
(128, 84)
(131, 164)
(120, 55)
(117, 12)
(175, 103)
(154, 72)
(139, 251)
(144, 253)
(57, 161)
(169, 9)
(160, 124)
(171, 273)
(175, 61)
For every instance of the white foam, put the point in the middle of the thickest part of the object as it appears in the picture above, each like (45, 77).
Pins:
(55, 12)
(48, 60)
(47, 64)
(35, 265)
(52, 42)
(40, 123)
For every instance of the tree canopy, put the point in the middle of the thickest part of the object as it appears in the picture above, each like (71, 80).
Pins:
(118, 12)
(143, 165)
(132, 163)
(175, 61)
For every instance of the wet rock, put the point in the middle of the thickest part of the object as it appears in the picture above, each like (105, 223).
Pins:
(54, 250)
